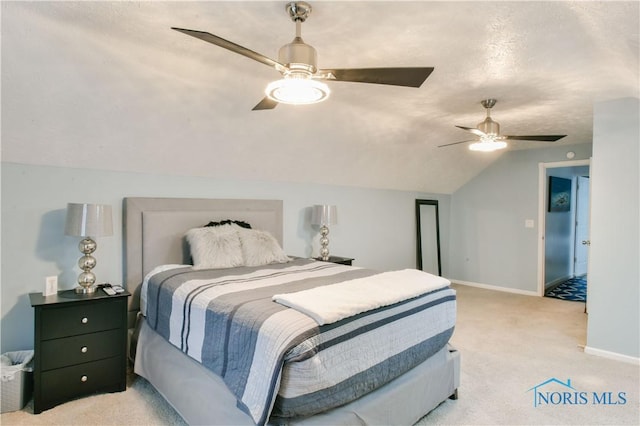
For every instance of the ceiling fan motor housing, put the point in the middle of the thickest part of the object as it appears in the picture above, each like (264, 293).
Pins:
(298, 55)
(489, 127)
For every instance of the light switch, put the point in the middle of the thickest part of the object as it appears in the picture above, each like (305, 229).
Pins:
(529, 223)
(50, 285)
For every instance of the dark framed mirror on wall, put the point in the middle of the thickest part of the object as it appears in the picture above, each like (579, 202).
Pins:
(428, 237)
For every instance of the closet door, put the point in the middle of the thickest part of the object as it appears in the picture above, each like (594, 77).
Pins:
(428, 237)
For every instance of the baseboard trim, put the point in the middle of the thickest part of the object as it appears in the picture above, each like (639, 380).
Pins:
(612, 355)
(495, 288)
(557, 281)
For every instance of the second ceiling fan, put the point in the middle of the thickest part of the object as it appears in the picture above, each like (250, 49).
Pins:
(490, 137)
(297, 62)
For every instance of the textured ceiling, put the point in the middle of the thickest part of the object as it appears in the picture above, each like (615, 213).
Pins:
(109, 85)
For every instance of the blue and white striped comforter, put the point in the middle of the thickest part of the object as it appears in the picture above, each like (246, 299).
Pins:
(278, 361)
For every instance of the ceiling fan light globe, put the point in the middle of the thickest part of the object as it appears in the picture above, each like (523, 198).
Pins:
(488, 145)
(297, 91)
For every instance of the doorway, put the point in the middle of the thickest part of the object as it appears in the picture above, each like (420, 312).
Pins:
(561, 254)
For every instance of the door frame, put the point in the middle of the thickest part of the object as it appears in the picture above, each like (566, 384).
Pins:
(542, 203)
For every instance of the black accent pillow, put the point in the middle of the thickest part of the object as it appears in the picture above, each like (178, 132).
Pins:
(229, 222)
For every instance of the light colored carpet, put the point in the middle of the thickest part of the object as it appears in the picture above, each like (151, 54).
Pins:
(509, 343)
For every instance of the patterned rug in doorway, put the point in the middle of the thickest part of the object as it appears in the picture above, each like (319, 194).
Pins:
(574, 289)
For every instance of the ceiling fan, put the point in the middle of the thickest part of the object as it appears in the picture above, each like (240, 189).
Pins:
(302, 80)
(489, 133)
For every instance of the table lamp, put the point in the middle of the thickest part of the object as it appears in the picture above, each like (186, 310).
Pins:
(324, 215)
(88, 221)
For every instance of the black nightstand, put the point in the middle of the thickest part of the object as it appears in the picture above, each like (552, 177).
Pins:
(80, 346)
(338, 259)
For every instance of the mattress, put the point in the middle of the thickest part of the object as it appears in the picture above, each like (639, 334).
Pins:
(278, 361)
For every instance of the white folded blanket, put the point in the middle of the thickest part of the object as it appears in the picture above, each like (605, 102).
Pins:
(328, 304)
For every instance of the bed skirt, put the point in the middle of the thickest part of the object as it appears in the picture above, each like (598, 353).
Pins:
(202, 398)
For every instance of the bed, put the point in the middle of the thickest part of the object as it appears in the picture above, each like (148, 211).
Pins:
(305, 380)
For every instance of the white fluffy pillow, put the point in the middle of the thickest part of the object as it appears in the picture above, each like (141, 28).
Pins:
(215, 247)
(260, 248)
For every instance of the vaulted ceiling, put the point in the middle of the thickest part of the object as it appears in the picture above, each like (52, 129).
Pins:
(109, 85)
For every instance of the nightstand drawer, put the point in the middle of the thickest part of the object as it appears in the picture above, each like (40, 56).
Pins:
(83, 379)
(82, 318)
(79, 349)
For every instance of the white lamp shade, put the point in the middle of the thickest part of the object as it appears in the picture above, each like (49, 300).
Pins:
(88, 220)
(324, 214)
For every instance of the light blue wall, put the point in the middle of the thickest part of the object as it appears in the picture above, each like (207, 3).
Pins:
(489, 242)
(377, 227)
(613, 292)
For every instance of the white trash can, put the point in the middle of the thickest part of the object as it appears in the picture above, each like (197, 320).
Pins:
(16, 375)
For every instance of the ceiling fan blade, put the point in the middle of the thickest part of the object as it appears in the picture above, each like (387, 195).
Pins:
(473, 130)
(538, 138)
(455, 143)
(266, 103)
(408, 77)
(236, 48)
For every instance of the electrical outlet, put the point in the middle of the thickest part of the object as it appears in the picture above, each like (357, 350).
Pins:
(529, 223)
(50, 286)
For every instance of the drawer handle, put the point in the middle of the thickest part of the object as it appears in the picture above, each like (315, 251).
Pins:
(84, 349)
(84, 320)
(84, 379)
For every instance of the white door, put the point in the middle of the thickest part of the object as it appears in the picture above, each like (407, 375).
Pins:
(582, 227)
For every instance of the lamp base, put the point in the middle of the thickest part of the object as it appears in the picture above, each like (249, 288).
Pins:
(86, 279)
(85, 290)
(324, 243)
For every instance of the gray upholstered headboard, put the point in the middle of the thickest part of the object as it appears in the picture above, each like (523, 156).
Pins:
(154, 231)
